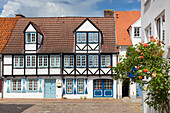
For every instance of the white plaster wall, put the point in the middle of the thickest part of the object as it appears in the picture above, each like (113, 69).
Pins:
(93, 70)
(30, 47)
(135, 40)
(149, 12)
(30, 29)
(18, 71)
(105, 70)
(7, 70)
(119, 89)
(7, 59)
(42, 71)
(132, 90)
(81, 70)
(54, 71)
(30, 71)
(87, 26)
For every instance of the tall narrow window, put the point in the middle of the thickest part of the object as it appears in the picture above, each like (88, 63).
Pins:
(28, 61)
(80, 86)
(159, 28)
(33, 37)
(16, 61)
(32, 85)
(105, 60)
(69, 85)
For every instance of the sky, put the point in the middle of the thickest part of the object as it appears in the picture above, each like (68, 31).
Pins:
(61, 8)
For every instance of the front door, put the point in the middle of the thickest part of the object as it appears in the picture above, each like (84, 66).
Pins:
(50, 88)
(103, 88)
(125, 88)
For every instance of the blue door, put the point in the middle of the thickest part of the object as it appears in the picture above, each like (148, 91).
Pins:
(138, 90)
(50, 88)
(103, 88)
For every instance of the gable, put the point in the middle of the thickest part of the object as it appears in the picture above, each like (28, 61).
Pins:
(30, 28)
(87, 26)
(137, 23)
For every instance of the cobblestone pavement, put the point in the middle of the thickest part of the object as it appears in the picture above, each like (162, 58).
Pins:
(76, 106)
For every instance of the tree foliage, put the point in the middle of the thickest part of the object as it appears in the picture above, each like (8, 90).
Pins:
(144, 63)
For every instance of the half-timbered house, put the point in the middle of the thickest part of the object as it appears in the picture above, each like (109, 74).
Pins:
(55, 57)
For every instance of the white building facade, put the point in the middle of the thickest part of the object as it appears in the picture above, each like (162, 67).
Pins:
(40, 63)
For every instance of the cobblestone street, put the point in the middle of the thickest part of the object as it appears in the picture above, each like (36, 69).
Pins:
(71, 106)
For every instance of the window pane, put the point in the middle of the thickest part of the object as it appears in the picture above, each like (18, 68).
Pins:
(28, 60)
(107, 60)
(14, 85)
(30, 85)
(40, 60)
(35, 85)
(71, 60)
(98, 84)
(90, 37)
(78, 37)
(33, 60)
(83, 37)
(83, 61)
(78, 60)
(16, 61)
(52, 60)
(19, 85)
(21, 60)
(90, 60)
(103, 60)
(45, 60)
(66, 61)
(95, 37)
(80, 89)
(57, 61)
(69, 89)
(33, 37)
(95, 60)
(28, 37)
(80, 82)
(69, 82)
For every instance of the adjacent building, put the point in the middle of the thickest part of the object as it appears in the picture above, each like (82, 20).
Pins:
(128, 33)
(6, 27)
(61, 57)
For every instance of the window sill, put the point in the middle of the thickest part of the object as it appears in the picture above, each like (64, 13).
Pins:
(136, 37)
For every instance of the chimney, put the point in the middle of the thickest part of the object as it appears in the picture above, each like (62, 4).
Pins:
(108, 13)
(19, 16)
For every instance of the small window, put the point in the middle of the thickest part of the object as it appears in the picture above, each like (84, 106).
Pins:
(69, 85)
(43, 60)
(137, 32)
(93, 37)
(81, 37)
(30, 61)
(30, 37)
(105, 60)
(68, 61)
(55, 61)
(80, 86)
(16, 85)
(81, 60)
(32, 85)
(93, 61)
(18, 61)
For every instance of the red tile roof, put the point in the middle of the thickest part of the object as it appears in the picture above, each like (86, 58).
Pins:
(59, 34)
(123, 20)
(6, 27)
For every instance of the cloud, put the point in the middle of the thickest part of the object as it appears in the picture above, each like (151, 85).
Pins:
(138, 0)
(51, 8)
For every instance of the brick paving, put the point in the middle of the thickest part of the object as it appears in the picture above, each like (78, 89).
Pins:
(77, 105)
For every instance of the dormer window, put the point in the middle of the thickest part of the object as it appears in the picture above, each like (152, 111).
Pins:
(93, 37)
(30, 37)
(80, 37)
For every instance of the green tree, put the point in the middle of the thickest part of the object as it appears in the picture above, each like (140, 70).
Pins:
(144, 63)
